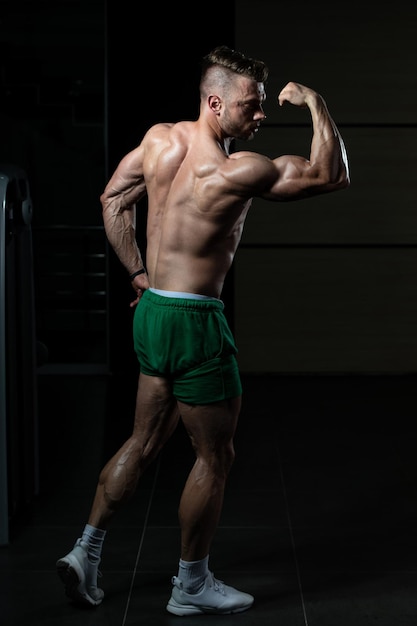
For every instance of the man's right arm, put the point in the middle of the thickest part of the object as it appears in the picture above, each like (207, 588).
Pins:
(124, 189)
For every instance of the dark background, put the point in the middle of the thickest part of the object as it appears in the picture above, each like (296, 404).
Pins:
(333, 279)
(320, 516)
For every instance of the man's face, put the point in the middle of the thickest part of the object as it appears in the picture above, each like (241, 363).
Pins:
(243, 112)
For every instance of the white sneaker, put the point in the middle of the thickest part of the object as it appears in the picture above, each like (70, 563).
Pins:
(80, 576)
(216, 597)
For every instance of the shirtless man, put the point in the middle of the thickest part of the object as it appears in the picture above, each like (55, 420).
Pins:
(198, 197)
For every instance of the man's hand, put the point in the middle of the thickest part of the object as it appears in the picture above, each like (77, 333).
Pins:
(140, 284)
(296, 94)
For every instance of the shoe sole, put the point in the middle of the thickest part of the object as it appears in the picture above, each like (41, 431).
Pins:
(191, 609)
(71, 580)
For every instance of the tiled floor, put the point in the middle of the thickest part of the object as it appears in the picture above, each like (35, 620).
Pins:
(319, 521)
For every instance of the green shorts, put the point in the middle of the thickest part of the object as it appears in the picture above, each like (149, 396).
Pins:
(190, 343)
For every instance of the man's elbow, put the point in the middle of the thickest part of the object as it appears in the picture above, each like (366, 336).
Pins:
(106, 202)
(341, 179)
(103, 201)
(344, 181)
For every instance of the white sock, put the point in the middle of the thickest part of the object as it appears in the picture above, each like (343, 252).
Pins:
(94, 538)
(193, 574)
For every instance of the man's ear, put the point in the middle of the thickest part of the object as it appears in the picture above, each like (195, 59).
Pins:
(215, 103)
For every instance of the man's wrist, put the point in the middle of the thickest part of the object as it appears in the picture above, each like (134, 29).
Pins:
(138, 273)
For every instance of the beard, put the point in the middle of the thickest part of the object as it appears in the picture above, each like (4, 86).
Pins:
(235, 130)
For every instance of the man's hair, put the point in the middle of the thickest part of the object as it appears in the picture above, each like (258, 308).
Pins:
(224, 61)
(236, 62)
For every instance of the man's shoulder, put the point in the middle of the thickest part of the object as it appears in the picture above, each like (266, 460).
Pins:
(168, 131)
(159, 129)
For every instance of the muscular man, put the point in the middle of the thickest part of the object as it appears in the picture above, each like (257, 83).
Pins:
(198, 198)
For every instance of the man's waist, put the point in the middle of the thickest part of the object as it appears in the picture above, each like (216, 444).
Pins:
(181, 294)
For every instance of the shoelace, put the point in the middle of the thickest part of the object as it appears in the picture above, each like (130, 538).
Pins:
(218, 585)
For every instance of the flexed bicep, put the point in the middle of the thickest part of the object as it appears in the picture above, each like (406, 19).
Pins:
(294, 179)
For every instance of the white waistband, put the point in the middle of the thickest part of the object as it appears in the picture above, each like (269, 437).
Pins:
(181, 294)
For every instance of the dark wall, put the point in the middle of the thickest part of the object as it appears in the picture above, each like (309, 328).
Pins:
(52, 126)
(335, 275)
(51, 105)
